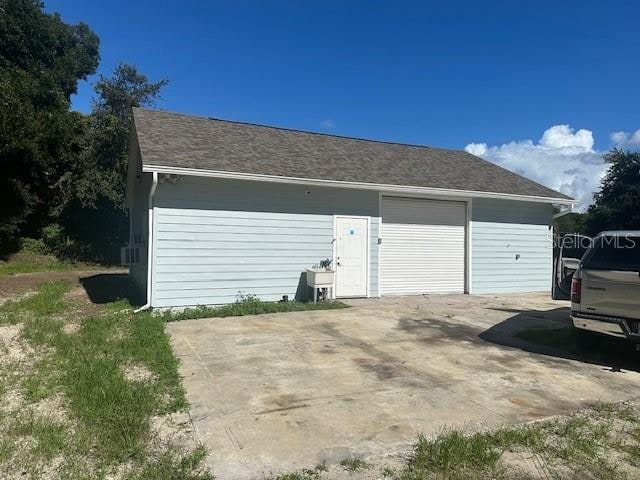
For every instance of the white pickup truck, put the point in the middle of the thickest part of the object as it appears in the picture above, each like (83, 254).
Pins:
(605, 289)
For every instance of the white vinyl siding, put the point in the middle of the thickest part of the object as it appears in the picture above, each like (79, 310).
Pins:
(423, 246)
(511, 246)
(216, 238)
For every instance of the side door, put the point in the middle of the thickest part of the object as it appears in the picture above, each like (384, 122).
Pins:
(351, 261)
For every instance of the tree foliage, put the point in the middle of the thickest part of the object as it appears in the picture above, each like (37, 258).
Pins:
(109, 128)
(92, 208)
(570, 223)
(617, 205)
(41, 61)
(62, 171)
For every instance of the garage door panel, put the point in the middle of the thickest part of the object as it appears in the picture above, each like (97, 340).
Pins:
(422, 212)
(423, 246)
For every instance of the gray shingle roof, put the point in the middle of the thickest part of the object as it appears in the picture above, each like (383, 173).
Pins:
(176, 140)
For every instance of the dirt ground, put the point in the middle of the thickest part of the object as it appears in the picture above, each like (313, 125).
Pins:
(15, 285)
(90, 291)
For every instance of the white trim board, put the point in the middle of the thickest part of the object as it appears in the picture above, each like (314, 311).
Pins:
(406, 189)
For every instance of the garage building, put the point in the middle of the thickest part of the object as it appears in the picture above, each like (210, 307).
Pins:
(222, 208)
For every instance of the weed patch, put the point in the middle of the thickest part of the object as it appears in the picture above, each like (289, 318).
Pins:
(305, 474)
(454, 455)
(388, 472)
(247, 305)
(585, 444)
(174, 464)
(354, 464)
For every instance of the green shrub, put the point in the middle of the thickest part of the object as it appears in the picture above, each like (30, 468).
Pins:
(33, 245)
(58, 243)
(53, 237)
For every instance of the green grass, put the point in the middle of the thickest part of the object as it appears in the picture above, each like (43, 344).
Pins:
(115, 410)
(172, 464)
(7, 447)
(40, 383)
(30, 262)
(247, 305)
(50, 435)
(388, 472)
(301, 475)
(108, 411)
(630, 449)
(454, 454)
(586, 444)
(148, 343)
(305, 474)
(354, 464)
(47, 300)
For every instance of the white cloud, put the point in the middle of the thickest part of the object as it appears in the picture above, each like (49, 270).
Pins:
(562, 159)
(626, 139)
(479, 149)
(618, 138)
(328, 124)
(562, 137)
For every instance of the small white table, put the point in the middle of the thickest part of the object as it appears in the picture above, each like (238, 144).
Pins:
(319, 279)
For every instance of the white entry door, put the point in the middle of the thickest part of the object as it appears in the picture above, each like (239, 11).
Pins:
(351, 259)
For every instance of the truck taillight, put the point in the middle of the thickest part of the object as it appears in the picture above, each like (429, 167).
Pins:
(576, 290)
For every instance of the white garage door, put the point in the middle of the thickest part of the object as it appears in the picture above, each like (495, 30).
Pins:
(423, 246)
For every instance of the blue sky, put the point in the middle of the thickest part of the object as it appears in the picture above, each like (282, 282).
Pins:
(445, 74)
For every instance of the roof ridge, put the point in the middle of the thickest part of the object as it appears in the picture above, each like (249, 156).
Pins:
(296, 130)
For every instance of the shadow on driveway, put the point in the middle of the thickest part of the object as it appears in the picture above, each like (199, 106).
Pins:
(111, 287)
(551, 333)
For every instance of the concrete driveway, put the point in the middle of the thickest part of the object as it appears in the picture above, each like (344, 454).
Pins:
(279, 392)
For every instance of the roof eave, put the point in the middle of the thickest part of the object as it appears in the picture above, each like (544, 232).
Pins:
(406, 189)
